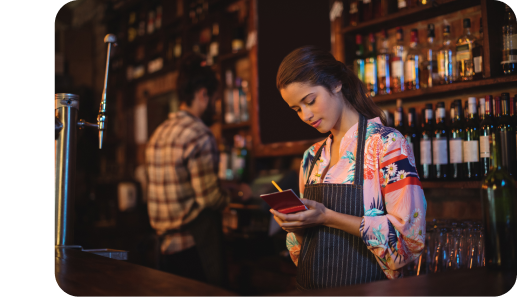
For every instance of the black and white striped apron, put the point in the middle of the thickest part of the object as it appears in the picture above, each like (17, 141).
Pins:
(331, 257)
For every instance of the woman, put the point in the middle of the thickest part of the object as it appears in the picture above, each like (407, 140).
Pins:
(366, 216)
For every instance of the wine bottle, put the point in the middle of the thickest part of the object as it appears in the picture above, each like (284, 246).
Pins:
(397, 63)
(485, 134)
(481, 110)
(498, 193)
(456, 136)
(440, 144)
(426, 145)
(412, 135)
(359, 58)
(353, 13)
(471, 143)
(370, 67)
(412, 64)
(506, 129)
(399, 117)
(383, 66)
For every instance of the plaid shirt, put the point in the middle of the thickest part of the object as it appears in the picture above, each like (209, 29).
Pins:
(182, 166)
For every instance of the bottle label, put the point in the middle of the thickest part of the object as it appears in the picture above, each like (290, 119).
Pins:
(429, 114)
(409, 118)
(440, 113)
(463, 52)
(470, 151)
(478, 64)
(484, 146)
(410, 71)
(408, 139)
(397, 68)
(381, 72)
(425, 152)
(353, 8)
(509, 48)
(456, 150)
(401, 3)
(369, 73)
(439, 151)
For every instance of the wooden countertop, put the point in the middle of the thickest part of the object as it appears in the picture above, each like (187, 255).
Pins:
(80, 273)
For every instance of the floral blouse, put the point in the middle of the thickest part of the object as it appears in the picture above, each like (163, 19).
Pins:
(393, 225)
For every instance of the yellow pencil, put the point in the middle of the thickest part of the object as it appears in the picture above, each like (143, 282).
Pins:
(276, 185)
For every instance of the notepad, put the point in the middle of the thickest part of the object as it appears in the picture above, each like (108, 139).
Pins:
(285, 201)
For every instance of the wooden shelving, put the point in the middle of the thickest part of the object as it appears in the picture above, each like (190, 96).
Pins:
(450, 89)
(240, 125)
(451, 184)
(408, 16)
(236, 55)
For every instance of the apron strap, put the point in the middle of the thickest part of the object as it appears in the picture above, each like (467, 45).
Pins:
(359, 162)
(359, 154)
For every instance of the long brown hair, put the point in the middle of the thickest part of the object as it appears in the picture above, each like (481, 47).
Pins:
(317, 67)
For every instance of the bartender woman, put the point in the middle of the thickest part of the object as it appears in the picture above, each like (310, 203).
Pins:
(366, 216)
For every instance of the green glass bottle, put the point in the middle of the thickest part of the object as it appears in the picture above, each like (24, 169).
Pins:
(506, 129)
(440, 141)
(426, 145)
(471, 143)
(456, 137)
(485, 133)
(498, 194)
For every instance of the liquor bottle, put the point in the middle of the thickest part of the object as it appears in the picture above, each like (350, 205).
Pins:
(131, 31)
(471, 143)
(452, 112)
(498, 193)
(485, 134)
(213, 53)
(430, 76)
(158, 18)
(456, 137)
(477, 53)
(353, 13)
(383, 65)
(150, 22)
(412, 135)
(412, 64)
(141, 24)
(238, 156)
(466, 110)
(244, 101)
(229, 112)
(359, 58)
(507, 131)
(399, 117)
(447, 58)
(397, 63)
(464, 46)
(509, 60)
(370, 67)
(389, 118)
(440, 144)
(378, 8)
(177, 48)
(239, 37)
(426, 145)
(402, 4)
(367, 10)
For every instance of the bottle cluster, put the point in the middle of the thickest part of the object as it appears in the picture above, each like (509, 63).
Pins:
(234, 161)
(396, 68)
(365, 10)
(236, 99)
(456, 144)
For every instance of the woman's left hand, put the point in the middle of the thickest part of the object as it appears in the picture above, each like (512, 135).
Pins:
(315, 216)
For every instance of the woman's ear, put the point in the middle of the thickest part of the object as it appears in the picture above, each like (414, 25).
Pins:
(338, 88)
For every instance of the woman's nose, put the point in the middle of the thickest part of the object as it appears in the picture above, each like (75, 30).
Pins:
(306, 115)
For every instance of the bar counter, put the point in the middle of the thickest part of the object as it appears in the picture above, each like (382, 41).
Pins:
(80, 273)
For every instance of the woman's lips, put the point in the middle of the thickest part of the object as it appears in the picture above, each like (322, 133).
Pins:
(316, 123)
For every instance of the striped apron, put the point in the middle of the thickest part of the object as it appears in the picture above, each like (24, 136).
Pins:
(331, 257)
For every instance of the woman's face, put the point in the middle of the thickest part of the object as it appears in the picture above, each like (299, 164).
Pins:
(314, 104)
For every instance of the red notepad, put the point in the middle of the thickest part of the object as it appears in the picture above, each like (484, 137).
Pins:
(285, 201)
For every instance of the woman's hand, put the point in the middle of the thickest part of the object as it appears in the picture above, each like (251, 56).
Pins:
(297, 222)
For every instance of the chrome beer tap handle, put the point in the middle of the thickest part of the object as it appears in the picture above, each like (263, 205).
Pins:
(101, 118)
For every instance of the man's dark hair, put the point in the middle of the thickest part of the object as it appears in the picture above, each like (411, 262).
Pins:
(193, 75)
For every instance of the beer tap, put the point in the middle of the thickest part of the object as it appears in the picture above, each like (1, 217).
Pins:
(101, 118)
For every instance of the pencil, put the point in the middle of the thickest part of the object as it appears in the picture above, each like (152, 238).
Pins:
(276, 185)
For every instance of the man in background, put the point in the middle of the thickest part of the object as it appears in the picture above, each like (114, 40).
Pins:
(185, 199)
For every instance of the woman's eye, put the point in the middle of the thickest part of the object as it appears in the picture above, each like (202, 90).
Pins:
(312, 102)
